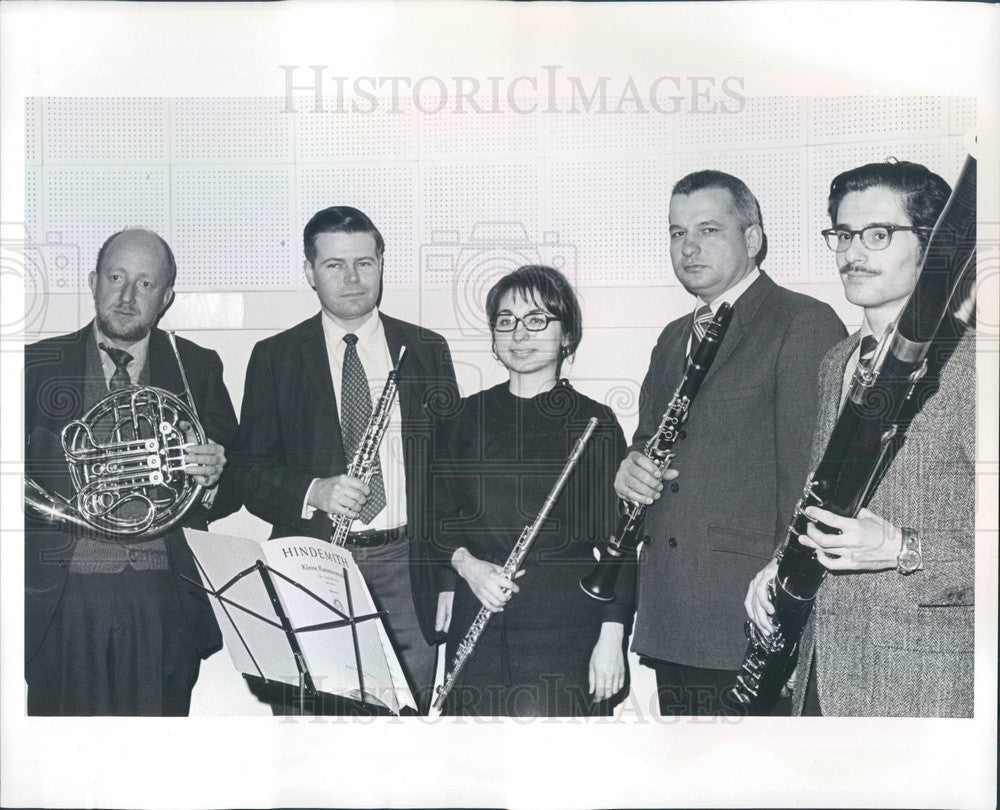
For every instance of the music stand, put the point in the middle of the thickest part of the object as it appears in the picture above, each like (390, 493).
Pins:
(262, 633)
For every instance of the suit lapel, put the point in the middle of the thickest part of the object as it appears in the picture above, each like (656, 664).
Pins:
(835, 384)
(744, 312)
(409, 398)
(70, 369)
(163, 369)
(326, 432)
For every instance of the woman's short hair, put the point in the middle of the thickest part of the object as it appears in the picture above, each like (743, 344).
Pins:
(549, 288)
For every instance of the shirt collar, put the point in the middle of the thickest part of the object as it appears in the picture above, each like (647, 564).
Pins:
(367, 332)
(734, 292)
(139, 350)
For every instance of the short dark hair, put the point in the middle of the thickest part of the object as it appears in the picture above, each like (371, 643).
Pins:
(548, 287)
(744, 201)
(339, 219)
(171, 261)
(924, 193)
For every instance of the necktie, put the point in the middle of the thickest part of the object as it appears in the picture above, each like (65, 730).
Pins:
(121, 359)
(355, 412)
(868, 345)
(702, 318)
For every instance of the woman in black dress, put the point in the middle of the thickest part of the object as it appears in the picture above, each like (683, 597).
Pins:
(549, 650)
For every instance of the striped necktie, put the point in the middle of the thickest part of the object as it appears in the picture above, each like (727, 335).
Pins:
(355, 413)
(121, 359)
(702, 318)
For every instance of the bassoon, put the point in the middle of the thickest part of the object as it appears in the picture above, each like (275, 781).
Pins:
(864, 438)
(599, 584)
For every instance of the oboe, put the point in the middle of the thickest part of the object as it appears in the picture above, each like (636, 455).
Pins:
(510, 568)
(599, 584)
(860, 447)
(365, 459)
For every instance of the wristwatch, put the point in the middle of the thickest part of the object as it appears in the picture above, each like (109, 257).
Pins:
(910, 558)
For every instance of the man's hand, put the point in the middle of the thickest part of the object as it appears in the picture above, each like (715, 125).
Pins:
(758, 599)
(203, 462)
(865, 543)
(443, 619)
(485, 579)
(339, 495)
(606, 674)
(639, 479)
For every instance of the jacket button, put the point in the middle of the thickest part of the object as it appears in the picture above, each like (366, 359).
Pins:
(672, 542)
(675, 487)
(645, 539)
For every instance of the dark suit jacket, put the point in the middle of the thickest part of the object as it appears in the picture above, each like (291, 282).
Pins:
(743, 459)
(892, 645)
(53, 391)
(290, 434)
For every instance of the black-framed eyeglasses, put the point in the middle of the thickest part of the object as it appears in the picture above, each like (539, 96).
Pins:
(874, 237)
(533, 322)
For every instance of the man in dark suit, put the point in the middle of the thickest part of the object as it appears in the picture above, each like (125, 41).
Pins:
(741, 459)
(309, 393)
(111, 627)
(891, 632)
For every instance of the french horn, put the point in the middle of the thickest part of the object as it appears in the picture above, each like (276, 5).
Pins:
(126, 459)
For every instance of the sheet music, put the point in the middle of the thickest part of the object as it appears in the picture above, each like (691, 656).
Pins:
(315, 570)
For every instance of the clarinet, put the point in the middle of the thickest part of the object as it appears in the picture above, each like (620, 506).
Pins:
(365, 459)
(599, 584)
(864, 439)
(510, 568)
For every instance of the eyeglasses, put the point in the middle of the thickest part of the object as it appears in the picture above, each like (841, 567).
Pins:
(533, 322)
(874, 237)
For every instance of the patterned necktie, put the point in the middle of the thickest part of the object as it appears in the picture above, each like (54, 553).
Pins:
(355, 412)
(121, 359)
(868, 345)
(702, 318)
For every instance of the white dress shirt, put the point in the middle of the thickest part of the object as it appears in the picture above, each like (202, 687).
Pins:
(728, 297)
(373, 351)
(139, 350)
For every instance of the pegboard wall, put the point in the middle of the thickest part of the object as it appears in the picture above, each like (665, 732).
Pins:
(460, 198)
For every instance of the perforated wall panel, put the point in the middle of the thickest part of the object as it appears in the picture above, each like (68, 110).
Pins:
(385, 192)
(481, 135)
(257, 130)
(614, 214)
(106, 130)
(963, 116)
(233, 228)
(333, 137)
(873, 118)
(583, 135)
(33, 131)
(86, 206)
(762, 123)
(460, 197)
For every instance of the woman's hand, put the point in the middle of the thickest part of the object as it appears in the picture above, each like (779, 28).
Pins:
(607, 662)
(485, 579)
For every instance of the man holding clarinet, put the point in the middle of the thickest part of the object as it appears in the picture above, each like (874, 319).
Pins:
(741, 458)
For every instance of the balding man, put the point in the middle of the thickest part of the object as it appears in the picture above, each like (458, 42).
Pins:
(112, 628)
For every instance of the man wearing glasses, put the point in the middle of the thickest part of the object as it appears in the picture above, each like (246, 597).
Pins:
(892, 630)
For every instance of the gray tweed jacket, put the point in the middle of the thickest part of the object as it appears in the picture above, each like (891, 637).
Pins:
(892, 645)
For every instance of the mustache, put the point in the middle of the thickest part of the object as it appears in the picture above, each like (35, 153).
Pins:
(857, 267)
